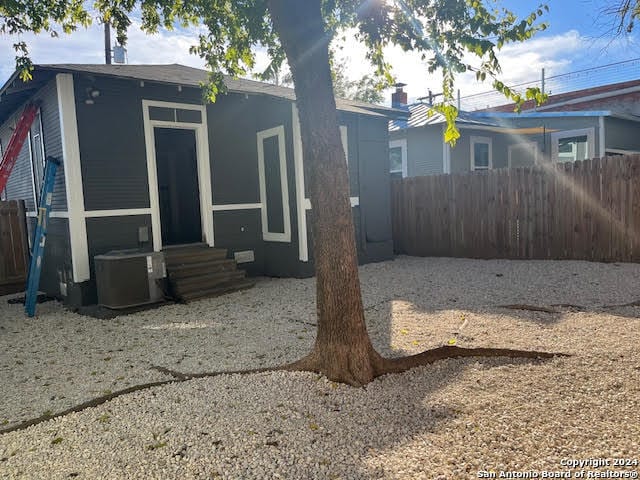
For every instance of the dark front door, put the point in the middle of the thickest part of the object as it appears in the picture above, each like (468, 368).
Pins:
(177, 166)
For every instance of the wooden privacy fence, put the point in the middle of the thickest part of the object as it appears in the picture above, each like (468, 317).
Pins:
(587, 210)
(14, 247)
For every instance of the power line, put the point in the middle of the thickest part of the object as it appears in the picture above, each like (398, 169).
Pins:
(562, 83)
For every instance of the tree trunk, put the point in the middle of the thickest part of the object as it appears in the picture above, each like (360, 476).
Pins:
(343, 350)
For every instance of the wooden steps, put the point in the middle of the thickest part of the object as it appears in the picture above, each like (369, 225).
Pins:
(197, 271)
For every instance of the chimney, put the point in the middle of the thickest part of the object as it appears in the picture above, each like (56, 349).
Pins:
(399, 97)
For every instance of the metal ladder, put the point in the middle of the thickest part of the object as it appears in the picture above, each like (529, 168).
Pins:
(40, 235)
(15, 143)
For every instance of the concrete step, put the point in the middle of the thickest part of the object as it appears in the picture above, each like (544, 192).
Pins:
(221, 289)
(176, 272)
(205, 282)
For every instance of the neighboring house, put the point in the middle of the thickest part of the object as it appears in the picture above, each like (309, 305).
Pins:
(146, 164)
(623, 97)
(500, 139)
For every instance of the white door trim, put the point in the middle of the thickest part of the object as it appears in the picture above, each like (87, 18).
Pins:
(203, 161)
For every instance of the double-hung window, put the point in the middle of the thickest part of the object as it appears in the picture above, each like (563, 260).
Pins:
(481, 153)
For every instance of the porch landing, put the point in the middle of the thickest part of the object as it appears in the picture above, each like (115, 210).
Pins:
(197, 271)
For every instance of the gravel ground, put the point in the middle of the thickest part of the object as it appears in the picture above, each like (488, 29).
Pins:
(445, 421)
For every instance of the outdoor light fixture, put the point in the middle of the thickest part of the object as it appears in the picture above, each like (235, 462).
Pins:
(92, 93)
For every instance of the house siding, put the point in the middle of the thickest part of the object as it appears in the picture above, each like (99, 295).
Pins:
(424, 151)
(112, 142)
(56, 264)
(374, 212)
(21, 183)
(622, 134)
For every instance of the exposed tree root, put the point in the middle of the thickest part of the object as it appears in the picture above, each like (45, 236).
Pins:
(531, 308)
(352, 375)
(402, 364)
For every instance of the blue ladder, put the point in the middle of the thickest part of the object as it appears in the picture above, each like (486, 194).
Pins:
(40, 235)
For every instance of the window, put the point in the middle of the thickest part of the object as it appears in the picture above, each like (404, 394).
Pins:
(36, 152)
(523, 154)
(573, 145)
(398, 157)
(481, 153)
(274, 190)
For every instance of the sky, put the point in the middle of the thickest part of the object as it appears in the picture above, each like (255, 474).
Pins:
(577, 39)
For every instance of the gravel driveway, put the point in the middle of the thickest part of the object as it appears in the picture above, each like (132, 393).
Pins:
(445, 421)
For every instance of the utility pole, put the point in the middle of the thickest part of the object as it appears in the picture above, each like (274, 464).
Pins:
(107, 43)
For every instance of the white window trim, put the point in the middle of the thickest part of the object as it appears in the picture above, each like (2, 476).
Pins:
(532, 145)
(472, 141)
(203, 162)
(261, 136)
(556, 136)
(36, 182)
(402, 143)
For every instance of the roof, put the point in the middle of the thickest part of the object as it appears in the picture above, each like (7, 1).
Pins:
(561, 114)
(173, 74)
(421, 115)
(567, 101)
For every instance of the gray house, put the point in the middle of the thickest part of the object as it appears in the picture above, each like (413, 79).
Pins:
(146, 164)
(497, 139)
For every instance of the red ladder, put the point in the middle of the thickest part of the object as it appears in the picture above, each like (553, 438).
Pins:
(15, 143)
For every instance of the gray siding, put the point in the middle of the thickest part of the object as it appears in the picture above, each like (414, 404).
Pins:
(374, 225)
(112, 144)
(56, 265)
(424, 151)
(622, 134)
(113, 233)
(21, 182)
(233, 150)
(241, 230)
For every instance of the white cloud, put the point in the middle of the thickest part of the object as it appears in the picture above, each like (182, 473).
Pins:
(87, 46)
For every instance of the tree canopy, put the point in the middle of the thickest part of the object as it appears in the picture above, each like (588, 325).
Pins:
(453, 36)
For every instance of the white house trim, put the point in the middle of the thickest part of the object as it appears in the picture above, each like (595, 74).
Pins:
(117, 213)
(73, 177)
(236, 206)
(298, 162)
(472, 141)
(344, 138)
(261, 136)
(402, 143)
(204, 166)
(601, 137)
(52, 214)
(556, 136)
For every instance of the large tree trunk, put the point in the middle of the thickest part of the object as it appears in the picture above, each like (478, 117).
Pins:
(343, 351)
